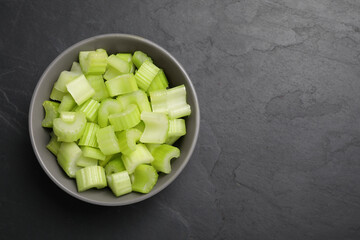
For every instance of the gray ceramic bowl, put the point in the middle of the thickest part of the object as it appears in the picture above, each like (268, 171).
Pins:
(113, 43)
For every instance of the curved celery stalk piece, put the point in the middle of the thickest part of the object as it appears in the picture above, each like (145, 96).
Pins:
(107, 141)
(51, 112)
(162, 157)
(151, 146)
(80, 89)
(145, 178)
(121, 84)
(141, 155)
(129, 118)
(140, 126)
(90, 108)
(156, 127)
(94, 153)
(89, 136)
(97, 83)
(114, 166)
(67, 157)
(128, 139)
(160, 82)
(128, 58)
(139, 58)
(76, 68)
(65, 78)
(67, 103)
(119, 183)
(90, 177)
(111, 73)
(86, 161)
(53, 145)
(108, 158)
(107, 107)
(93, 62)
(138, 97)
(146, 74)
(68, 117)
(56, 95)
(118, 64)
(177, 128)
(70, 132)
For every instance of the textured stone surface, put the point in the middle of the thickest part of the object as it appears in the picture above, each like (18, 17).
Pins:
(278, 153)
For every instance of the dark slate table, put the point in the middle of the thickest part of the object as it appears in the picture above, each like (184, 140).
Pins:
(278, 155)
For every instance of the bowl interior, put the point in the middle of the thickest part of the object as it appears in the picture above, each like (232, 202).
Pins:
(113, 43)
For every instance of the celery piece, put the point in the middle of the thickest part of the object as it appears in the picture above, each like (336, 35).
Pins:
(90, 177)
(119, 183)
(107, 141)
(126, 119)
(160, 82)
(86, 161)
(159, 101)
(151, 146)
(67, 103)
(114, 166)
(93, 62)
(89, 136)
(80, 89)
(53, 145)
(118, 64)
(138, 97)
(94, 153)
(68, 117)
(67, 156)
(97, 83)
(177, 128)
(145, 75)
(156, 127)
(139, 58)
(145, 178)
(127, 57)
(108, 158)
(70, 132)
(56, 95)
(107, 107)
(65, 78)
(141, 155)
(90, 108)
(128, 139)
(140, 126)
(122, 84)
(111, 73)
(51, 112)
(162, 157)
(76, 68)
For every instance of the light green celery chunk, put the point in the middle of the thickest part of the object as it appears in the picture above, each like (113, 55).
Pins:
(145, 75)
(145, 178)
(126, 119)
(76, 68)
(140, 126)
(107, 141)
(177, 128)
(90, 177)
(151, 146)
(141, 155)
(128, 139)
(67, 103)
(160, 82)
(89, 136)
(97, 83)
(118, 64)
(162, 157)
(122, 84)
(93, 62)
(68, 117)
(70, 132)
(156, 127)
(108, 158)
(94, 153)
(138, 97)
(111, 73)
(140, 57)
(51, 112)
(53, 145)
(86, 161)
(65, 78)
(80, 89)
(127, 57)
(114, 166)
(158, 101)
(107, 107)
(67, 157)
(56, 95)
(90, 108)
(119, 183)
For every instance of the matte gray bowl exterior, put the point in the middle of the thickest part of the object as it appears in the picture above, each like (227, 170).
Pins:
(113, 43)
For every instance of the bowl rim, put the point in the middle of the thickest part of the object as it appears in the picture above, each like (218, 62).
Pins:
(76, 194)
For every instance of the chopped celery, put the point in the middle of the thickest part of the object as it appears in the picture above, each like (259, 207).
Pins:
(97, 83)
(80, 89)
(70, 132)
(67, 156)
(94, 153)
(139, 156)
(126, 119)
(51, 112)
(93, 62)
(119, 183)
(67, 103)
(76, 68)
(138, 97)
(111, 73)
(121, 84)
(86, 161)
(90, 108)
(145, 75)
(139, 58)
(151, 146)
(56, 95)
(107, 141)
(108, 158)
(160, 82)
(127, 57)
(65, 78)
(53, 145)
(145, 178)
(68, 117)
(118, 64)
(140, 126)
(128, 139)
(90, 177)
(114, 166)
(162, 157)
(89, 136)
(156, 127)
(107, 107)
(177, 128)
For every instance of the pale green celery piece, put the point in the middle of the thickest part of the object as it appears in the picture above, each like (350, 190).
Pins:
(70, 132)
(160, 82)
(162, 157)
(107, 140)
(67, 103)
(122, 84)
(126, 119)
(89, 136)
(118, 64)
(108, 158)
(86, 161)
(156, 127)
(107, 107)
(138, 97)
(145, 75)
(67, 157)
(90, 108)
(114, 166)
(139, 58)
(90, 177)
(128, 139)
(111, 73)
(151, 146)
(180, 111)
(56, 95)
(93, 62)
(82, 60)
(65, 78)
(145, 178)
(119, 183)
(140, 126)
(75, 68)
(80, 89)
(53, 145)
(97, 83)
(127, 57)
(141, 155)
(94, 153)
(177, 128)
(158, 101)
(68, 117)
(51, 112)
